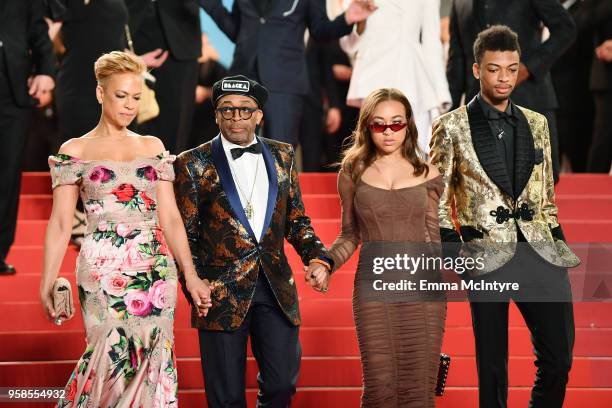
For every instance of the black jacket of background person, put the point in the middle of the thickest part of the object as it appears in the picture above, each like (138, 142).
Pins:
(180, 22)
(525, 18)
(601, 72)
(270, 44)
(25, 46)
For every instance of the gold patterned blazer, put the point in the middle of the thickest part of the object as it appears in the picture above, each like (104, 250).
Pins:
(489, 208)
(222, 243)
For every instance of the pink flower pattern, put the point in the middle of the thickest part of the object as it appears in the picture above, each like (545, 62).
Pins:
(101, 175)
(124, 274)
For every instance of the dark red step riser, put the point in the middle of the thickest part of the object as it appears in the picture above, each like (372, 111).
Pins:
(350, 398)
(316, 372)
(62, 344)
(29, 287)
(327, 206)
(316, 312)
(33, 232)
(341, 286)
(28, 259)
(454, 397)
(325, 183)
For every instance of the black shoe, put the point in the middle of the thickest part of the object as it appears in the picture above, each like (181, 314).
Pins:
(6, 269)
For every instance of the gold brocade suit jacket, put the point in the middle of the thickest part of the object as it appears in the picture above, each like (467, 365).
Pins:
(489, 208)
(223, 245)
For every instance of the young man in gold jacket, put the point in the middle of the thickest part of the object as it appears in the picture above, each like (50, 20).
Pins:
(496, 162)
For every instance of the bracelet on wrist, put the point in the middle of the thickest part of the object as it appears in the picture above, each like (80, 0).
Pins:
(321, 262)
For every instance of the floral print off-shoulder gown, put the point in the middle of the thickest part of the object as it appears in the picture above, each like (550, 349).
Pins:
(127, 284)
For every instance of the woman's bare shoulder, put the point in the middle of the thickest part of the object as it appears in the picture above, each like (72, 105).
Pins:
(150, 144)
(74, 147)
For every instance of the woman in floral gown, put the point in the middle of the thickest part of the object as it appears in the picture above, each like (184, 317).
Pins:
(126, 275)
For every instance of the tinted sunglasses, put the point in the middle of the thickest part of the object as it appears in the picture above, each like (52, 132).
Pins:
(381, 127)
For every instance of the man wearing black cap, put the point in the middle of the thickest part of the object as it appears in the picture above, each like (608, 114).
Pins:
(269, 37)
(240, 198)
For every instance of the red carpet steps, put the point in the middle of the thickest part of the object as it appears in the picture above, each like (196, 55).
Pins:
(34, 352)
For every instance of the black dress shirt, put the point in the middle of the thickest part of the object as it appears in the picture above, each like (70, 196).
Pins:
(503, 128)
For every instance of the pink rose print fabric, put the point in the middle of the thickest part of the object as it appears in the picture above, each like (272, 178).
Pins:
(127, 285)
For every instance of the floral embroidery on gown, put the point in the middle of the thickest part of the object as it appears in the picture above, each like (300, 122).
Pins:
(127, 284)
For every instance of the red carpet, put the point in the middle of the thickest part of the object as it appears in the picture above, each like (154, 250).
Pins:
(37, 353)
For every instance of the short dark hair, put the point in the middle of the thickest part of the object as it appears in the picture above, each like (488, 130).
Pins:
(495, 38)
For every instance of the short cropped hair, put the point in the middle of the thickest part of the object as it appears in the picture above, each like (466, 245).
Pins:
(117, 62)
(495, 38)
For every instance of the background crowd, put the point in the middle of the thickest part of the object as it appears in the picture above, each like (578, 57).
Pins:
(317, 64)
(568, 63)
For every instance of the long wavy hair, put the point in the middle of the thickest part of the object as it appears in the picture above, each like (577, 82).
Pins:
(361, 151)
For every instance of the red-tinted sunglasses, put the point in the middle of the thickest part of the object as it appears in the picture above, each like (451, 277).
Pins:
(381, 127)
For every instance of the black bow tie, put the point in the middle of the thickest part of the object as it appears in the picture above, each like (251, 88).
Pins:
(239, 151)
(497, 115)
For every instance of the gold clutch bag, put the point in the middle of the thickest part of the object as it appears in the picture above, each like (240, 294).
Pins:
(149, 108)
(62, 300)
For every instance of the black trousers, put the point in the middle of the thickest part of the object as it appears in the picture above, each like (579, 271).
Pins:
(551, 117)
(175, 93)
(600, 155)
(13, 130)
(282, 116)
(551, 325)
(275, 345)
(575, 135)
(336, 143)
(311, 137)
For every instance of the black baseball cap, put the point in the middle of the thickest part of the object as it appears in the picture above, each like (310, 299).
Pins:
(240, 85)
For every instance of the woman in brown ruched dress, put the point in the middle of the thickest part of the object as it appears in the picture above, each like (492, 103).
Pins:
(389, 195)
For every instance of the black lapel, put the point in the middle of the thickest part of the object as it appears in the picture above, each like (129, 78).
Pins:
(524, 152)
(227, 183)
(484, 145)
(272, 186)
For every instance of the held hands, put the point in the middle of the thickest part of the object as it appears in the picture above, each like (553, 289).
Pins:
(317, 276)
(359, 10)
(200, 293)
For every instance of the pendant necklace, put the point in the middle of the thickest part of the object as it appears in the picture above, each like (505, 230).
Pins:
(248, 208)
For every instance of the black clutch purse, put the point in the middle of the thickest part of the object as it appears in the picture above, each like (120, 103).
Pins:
(442, 373)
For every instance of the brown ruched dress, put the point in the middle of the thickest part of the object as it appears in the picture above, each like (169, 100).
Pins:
(399, 342)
